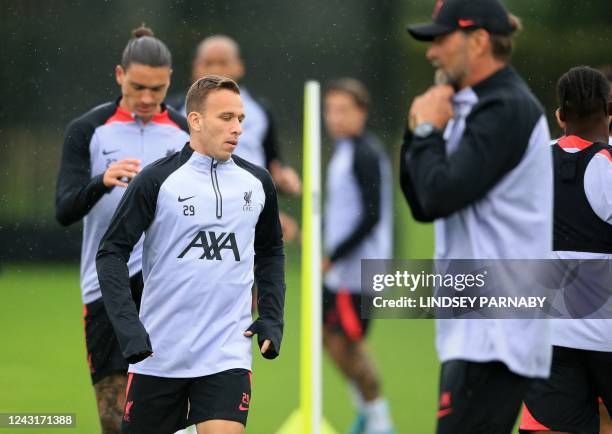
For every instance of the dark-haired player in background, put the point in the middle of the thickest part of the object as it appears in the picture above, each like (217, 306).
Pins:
(103, 150)
(567, 402)
(607, 71)
(606, 421)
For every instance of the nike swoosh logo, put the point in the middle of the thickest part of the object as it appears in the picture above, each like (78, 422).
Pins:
(105, 152)
(445, 412)
(466, 23)
(183, 199)
(242, 408)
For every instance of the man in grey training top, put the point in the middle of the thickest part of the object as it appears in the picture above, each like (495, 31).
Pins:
(212, 227)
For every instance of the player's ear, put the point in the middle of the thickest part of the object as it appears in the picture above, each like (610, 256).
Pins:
(119, 74)
(479, 40)
(560, 118)
(193, 118)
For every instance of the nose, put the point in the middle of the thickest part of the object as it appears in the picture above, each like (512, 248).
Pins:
(431, 52)
(147, 97)
(236, 127)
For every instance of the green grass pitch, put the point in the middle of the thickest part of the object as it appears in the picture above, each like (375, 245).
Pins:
(43, 366)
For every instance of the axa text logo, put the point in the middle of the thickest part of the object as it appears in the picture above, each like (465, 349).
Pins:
(211, 245)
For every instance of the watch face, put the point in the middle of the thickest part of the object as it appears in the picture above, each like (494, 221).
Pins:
(423, 130)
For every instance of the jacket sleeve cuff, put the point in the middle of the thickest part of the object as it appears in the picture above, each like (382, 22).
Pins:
(434, 139)
(138, 349)
(97, 185)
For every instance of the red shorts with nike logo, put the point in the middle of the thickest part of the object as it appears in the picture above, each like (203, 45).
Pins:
(159, 405)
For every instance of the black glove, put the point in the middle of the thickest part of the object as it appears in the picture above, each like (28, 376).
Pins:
(265, 329)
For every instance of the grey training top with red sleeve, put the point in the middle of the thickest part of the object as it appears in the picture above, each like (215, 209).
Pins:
(92, 143)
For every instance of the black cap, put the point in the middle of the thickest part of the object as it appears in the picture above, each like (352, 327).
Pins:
(451, 15)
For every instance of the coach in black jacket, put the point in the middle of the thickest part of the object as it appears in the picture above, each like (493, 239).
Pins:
(476, 160)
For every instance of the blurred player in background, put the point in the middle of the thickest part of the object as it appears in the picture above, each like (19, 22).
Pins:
(220, 55)
(606, 421)
(567, 402)
(357, 225)
(103, 150)
(475, 161)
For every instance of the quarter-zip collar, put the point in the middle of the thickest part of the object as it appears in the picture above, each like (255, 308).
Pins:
(186, 153)
(501, 77)
(205, 163)
(210, 167)
(575, 142)
(121, 114)
(356, 140)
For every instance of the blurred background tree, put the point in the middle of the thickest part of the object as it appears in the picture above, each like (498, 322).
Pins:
(58, 59)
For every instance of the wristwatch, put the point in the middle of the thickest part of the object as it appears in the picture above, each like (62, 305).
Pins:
(424, 129)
